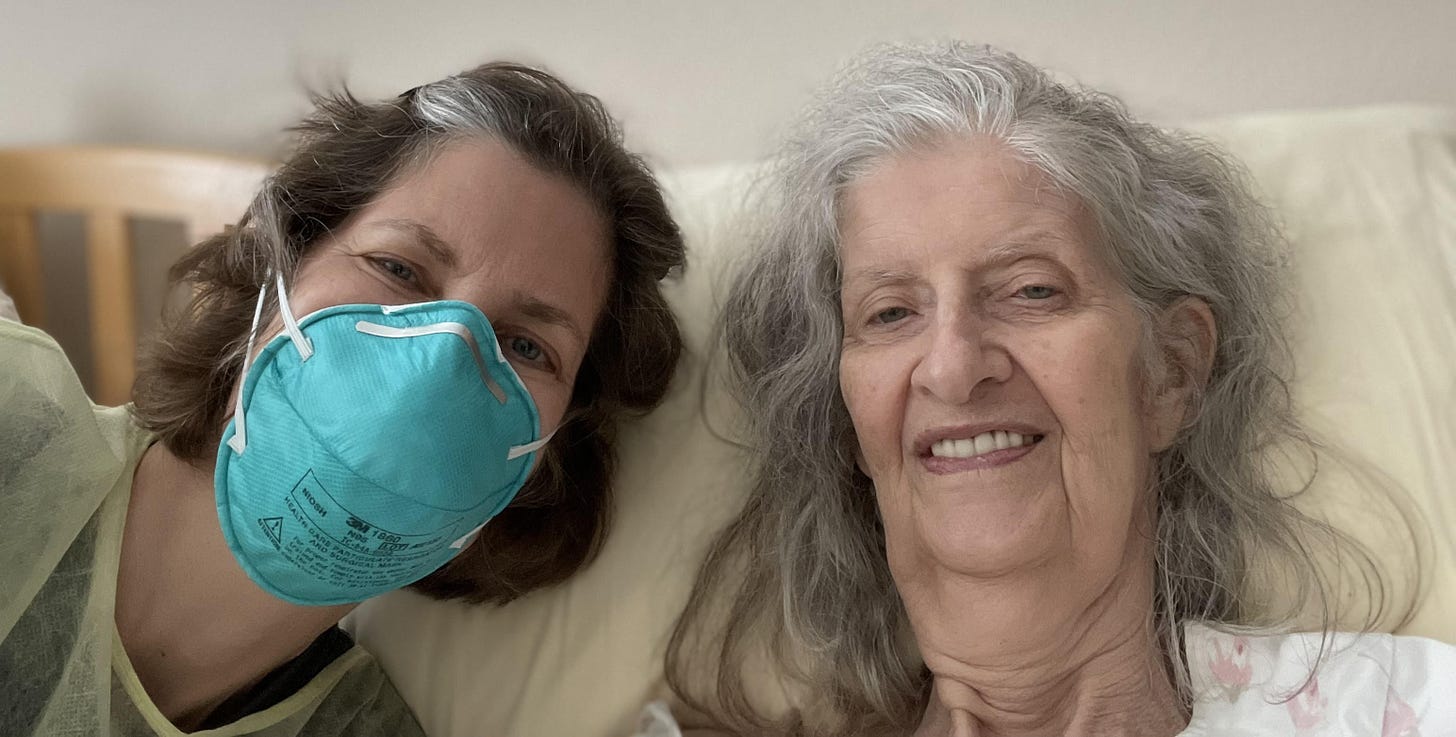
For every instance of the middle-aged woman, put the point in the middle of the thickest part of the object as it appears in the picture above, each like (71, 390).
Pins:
(430, 318)
(1011, 360)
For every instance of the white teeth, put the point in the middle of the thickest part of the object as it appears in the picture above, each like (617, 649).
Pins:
(985, 443)
(981, 444)
(1002, 441)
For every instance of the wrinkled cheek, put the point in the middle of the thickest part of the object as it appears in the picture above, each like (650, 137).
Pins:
(875, 415)
(906, 556)
(1104, 481)
(1104, 432)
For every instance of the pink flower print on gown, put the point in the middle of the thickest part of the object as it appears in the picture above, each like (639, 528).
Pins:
(1400, 718)
(1307, 708)
(1231, 668)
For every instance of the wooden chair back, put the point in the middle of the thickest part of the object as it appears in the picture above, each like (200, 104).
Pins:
(108, 186)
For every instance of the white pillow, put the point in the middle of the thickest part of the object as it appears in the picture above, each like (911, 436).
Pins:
(1369, 200)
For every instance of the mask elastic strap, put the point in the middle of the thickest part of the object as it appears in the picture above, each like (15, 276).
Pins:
(465, 539)
(239, 441)
(301, 343)
(516, 451)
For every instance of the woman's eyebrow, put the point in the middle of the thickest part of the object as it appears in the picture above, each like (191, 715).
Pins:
(423, 235)
(875, 277)
(536, 309)
(1031, 244)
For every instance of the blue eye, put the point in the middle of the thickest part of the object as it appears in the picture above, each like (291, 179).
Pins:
(1037, 291)
(525, 348)
(893, 314)
(396, 269)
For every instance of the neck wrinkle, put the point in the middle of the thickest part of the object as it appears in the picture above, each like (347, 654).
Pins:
(1105, 676)
(1121, 690)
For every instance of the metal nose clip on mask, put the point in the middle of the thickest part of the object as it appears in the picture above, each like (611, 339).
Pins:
(370, 443)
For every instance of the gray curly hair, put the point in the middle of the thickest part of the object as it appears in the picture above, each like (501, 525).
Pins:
(800, 578)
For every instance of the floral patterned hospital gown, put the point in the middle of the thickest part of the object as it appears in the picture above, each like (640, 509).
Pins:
(1371, 685)
(1376, 685)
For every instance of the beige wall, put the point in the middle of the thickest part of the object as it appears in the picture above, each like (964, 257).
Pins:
(695, 81)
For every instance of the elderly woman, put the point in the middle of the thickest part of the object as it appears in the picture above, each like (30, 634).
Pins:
(1009, 360)
(384, 355)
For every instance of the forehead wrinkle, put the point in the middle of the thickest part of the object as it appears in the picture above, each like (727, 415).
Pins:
(1007, 250)
(1039, 243)
(874, 277)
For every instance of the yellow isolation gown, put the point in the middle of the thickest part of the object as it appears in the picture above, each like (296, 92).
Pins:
(65, 480)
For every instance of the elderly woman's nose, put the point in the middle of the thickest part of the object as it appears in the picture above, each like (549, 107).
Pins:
(959, 357)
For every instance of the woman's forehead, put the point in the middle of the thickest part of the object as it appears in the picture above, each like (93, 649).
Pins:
(489, 224)
(965, 190)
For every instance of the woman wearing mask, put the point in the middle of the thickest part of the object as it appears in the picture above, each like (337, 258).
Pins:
(429, 319)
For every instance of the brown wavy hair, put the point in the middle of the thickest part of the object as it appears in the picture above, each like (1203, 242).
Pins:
(346, 154)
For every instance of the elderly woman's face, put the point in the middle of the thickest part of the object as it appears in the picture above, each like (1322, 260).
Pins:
(479, 224)
(992, 365)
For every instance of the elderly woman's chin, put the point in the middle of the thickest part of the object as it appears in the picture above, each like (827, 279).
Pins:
(972, 526)
(1053, 513)
(1015, 561)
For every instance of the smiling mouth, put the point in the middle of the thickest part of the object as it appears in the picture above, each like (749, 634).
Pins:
(983, 444)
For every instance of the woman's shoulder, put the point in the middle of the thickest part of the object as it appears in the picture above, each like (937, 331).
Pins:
(350, 696)
(23, 341)
(50, 429)
(7, 308)
(1311, 683)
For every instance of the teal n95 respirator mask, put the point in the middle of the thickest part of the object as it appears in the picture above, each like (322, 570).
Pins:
(370, 443)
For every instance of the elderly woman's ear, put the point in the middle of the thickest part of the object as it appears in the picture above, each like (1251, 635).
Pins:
(1186, 336)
